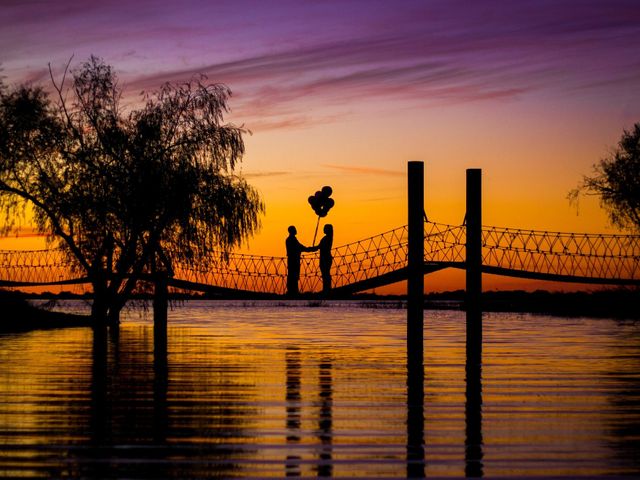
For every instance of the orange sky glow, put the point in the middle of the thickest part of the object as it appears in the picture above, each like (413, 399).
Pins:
(345, 93)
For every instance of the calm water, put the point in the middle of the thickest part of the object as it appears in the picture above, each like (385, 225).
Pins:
(271, 390)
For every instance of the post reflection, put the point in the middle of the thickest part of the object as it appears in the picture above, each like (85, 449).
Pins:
(473, 406)
(293, 407)
(160, 383)
(325, 418)
(415, 416)
(99, 418)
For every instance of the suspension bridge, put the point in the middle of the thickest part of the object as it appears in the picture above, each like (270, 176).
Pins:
(405, 253)
(377, 261)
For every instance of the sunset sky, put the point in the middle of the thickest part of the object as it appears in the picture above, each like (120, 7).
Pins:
(344, 93)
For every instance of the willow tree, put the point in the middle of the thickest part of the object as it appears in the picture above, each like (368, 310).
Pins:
(616, 180)
(126, 195)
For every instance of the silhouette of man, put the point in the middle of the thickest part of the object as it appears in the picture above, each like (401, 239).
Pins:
(325, 245)
(294, 249)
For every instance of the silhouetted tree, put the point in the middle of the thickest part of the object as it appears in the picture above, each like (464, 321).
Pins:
(126, 195)
(616, 180)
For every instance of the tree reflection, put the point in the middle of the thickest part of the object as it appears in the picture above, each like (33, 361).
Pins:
(99, 419)
(142, 425)
(160, 383)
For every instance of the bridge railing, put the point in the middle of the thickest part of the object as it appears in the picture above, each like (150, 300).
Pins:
(588, 256)
(361, 260)
(353, 262)
(38, 267)
(565, 256)
(252, 273)
(444, 243)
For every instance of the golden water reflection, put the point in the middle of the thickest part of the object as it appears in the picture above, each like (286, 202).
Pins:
(272, 391)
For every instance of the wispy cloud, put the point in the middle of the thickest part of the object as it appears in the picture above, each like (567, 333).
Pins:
(452, 60)
(363, 170)
(280, 66)
(264, 174)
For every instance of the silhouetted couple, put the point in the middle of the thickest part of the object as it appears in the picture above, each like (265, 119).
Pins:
(295, 249)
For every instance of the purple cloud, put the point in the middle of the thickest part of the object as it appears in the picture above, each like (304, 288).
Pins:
(283, 58)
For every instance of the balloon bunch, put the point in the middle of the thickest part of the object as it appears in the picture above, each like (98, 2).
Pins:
(321, 204)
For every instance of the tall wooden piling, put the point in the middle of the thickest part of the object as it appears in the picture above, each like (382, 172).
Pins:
(415, 264)
(474, 237)
(474, 265)
(473, 405)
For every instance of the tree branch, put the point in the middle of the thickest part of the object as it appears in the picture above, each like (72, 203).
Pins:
(57, 227)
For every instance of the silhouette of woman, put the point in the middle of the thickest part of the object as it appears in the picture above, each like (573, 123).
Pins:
(325, 245)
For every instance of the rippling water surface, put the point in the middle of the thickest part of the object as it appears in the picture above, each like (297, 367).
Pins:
(267, 389)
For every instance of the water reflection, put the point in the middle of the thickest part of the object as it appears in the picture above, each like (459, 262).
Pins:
(623, 429)
(99, 417)
(293, 407)
(225, 397)
(142, 428)
(473, 397)
(325, 418)
(160, 383)
(415, 420)
(129, 419)
(99, 374)
(473, 421)
(323, 413)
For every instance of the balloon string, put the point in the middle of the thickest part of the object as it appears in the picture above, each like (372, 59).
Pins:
(316, 233)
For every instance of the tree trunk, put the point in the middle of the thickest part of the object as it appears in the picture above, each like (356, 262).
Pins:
(105, 309)
(101, 301)
(99, 308)
(113, 316)
(160, 298)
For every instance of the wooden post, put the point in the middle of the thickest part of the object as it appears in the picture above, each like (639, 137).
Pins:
(160, 307)
(415, 264)
(474, 266)
(474, 238)
(415, 320)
